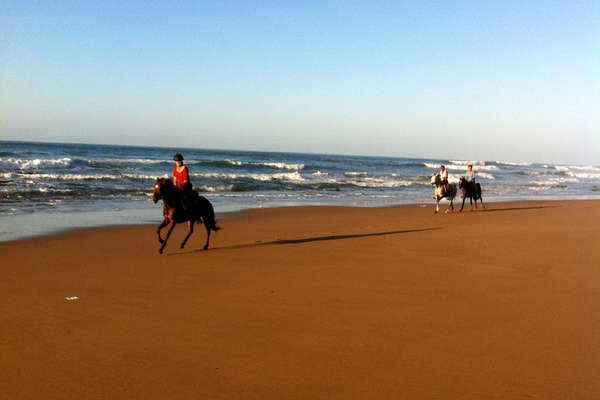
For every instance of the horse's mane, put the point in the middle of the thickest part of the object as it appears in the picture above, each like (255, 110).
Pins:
(167, 185)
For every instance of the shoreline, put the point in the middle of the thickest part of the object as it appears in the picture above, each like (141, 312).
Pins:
(311, 302)
(95, 224)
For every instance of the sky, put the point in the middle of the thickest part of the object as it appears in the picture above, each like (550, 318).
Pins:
(503, 80)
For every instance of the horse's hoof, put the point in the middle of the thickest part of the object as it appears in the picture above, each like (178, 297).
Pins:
(160, 251)
(205, 247)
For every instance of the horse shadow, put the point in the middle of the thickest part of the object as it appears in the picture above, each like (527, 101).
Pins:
(516, 208)
(309, 240)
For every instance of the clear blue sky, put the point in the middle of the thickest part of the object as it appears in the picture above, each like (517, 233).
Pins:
(504, 80)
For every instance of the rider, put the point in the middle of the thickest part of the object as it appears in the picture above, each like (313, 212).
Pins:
(181, 180)
(444, 177)
(470, 177)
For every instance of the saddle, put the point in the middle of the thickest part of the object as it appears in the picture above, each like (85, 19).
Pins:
(189, 197)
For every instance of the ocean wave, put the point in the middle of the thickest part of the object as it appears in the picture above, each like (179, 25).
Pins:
(466, 163)
(565, 168)
(291, 176)
(461, 167)
(17, 194)
(281, 165)
(12, 164)
(353, 174)
(87, 177)
(485, 176)
(555, 182)
(227, 163)
(585, 175)
(476, 168)
(374, 183)
(514, 164)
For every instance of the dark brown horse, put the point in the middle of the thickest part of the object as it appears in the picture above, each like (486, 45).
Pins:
(197, 209)
(472, 191)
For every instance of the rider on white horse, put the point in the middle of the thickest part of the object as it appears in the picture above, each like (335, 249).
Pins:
(444, 177)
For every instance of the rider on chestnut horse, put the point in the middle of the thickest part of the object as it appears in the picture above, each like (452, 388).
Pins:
(181, 180)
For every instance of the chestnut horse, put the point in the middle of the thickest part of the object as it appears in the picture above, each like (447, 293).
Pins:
(470, 190)
(440, 192)
(197, 209)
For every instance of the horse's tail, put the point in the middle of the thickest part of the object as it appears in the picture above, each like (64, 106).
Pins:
(453, 191)
(209, 217)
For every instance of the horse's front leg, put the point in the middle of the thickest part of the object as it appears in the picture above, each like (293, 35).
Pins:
(463, 204)
(167, 237)
(437, 205)
(189, 233)
(162, 225)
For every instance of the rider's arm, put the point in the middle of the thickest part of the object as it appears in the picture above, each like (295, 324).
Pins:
(185, 175)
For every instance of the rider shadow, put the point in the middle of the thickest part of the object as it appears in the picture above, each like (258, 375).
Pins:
(311, 239)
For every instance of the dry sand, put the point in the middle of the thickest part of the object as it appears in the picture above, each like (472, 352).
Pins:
(311, 303)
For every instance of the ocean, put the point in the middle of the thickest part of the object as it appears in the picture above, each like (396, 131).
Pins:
(48, 187)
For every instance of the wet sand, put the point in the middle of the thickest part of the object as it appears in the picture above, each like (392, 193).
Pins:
(311, 303)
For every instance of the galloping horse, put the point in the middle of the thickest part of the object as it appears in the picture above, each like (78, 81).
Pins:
(198, 210)
(470, 190)
(441, 193)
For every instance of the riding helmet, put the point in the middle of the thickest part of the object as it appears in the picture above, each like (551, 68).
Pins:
(178, 157)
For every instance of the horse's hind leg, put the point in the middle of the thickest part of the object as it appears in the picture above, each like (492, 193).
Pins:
(207, 234)
(189, 233)
(450, 207)
(167, 237)
(162, 225)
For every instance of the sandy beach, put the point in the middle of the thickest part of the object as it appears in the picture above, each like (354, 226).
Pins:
(311, 303)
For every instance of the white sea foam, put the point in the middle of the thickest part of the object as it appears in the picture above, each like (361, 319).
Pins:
(584, 168)
(87, 177)
(17, 163)
(206, 188)
(485, 175)
(233, 162)
(465, 163)
(585, 175)
(319, 173)
(350, 173)
(128, 161)
(282, 165)
(380, 183)
(555, 181)
(462, 166)
(514, 164)
(290, 176)
(432, 166)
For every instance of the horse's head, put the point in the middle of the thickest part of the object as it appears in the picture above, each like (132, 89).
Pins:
(461, 182)
(435, 180)
(161, 185)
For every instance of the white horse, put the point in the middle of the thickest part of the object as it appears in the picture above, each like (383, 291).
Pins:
(440, 193)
